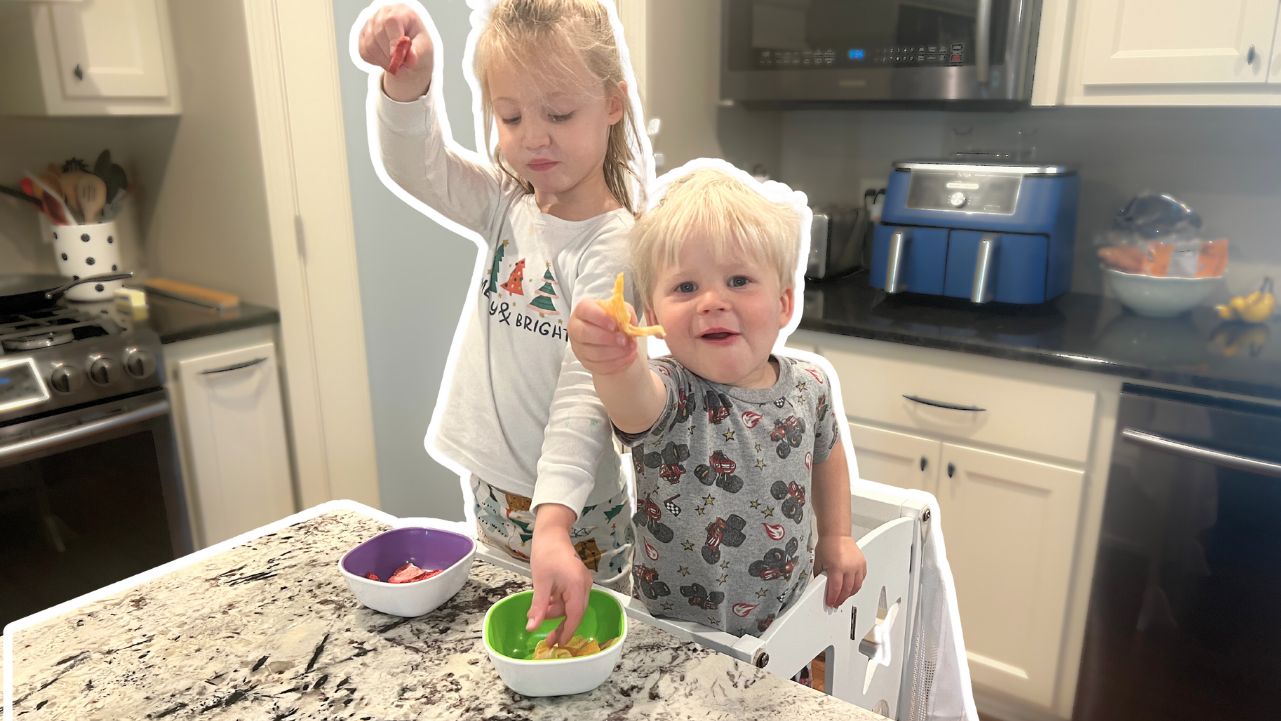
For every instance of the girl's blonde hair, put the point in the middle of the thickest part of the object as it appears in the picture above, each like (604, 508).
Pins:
(549, 38)
(712, 206)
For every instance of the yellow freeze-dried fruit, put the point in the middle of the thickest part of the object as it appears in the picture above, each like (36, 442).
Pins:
(617, 307)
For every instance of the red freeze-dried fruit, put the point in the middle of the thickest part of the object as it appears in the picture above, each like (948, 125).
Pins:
(398, 53)
(372, 576)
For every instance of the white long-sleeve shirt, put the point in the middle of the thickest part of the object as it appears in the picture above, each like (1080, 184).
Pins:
(519, 407)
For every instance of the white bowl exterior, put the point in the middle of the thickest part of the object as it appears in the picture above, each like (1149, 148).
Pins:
(1159, 297)
(410, 599)
(561, 677)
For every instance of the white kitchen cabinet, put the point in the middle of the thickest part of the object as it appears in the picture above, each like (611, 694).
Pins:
(1158, 52)
(226, 393)
(1016, 454)
(96, 57)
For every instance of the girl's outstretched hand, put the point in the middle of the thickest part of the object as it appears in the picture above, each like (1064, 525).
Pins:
(396, 40)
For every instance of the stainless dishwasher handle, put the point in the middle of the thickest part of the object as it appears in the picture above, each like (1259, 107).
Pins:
(941, 404)
(1201, 453)
(12, 451)
(983, 41)
(233, 367)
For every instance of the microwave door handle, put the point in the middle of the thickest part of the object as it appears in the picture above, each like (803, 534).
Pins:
(1201, 453)
(983, 41)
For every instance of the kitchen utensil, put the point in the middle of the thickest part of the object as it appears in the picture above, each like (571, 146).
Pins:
(112, 174)
(1157, 296)
(15, 193)
(81, 250)
(192, 293)
(427, 548)
(68, 182)
(91, 192)
(24, 292)
(60, 214)
(511, 647)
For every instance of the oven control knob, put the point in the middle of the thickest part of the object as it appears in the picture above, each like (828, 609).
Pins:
(64, 379)
(139, 363)
(957, 199)
(102, 371)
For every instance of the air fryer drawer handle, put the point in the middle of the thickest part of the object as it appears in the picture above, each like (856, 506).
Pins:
(941, 404)
(31, 447)
(1200, 453)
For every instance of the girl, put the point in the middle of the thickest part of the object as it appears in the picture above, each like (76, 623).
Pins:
(554, 209)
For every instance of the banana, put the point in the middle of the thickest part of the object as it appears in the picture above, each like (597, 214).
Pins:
(1254, 307)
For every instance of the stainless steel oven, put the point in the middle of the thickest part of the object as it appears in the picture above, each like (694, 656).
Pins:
(797, 51)
(90, 491)
(1183, 619)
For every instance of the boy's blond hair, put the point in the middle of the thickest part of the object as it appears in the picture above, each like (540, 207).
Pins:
(548, 39)
(712, 206)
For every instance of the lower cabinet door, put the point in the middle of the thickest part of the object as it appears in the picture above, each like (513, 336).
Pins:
(894, 458)
(235, 445)
(1010, 525)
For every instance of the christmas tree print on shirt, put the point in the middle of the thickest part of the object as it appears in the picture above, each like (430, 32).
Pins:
(544, 304)
(514, 283)
(499, 252)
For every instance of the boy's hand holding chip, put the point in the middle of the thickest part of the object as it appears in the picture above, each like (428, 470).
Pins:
(602, 333)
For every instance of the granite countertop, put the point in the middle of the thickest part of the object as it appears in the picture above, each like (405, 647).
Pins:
(268, 630)
(1082, 332)
(177, 320)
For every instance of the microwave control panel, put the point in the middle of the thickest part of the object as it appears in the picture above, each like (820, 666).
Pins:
(829, 58)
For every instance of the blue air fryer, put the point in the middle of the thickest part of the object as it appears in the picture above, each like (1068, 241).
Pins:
(979, 231)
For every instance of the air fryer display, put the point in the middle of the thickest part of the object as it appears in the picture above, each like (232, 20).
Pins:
(967, 192)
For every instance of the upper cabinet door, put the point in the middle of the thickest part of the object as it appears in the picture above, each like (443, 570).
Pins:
(1165, 42)
(110, 49)
(1274, 60)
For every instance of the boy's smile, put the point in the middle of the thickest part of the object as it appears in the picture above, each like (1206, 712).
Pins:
(721, 315)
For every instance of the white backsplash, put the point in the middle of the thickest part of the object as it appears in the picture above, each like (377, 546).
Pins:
(1225, 163)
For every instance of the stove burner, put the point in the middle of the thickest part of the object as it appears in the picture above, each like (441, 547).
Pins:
(39, 340)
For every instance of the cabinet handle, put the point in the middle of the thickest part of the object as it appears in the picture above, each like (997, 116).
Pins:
(951, 470)
(1250, 55)
(941, 404)
(924, 463)
(233, 367)
(80, 74)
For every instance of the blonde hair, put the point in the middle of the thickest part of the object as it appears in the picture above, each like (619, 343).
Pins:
(548, 37)
(711, 206)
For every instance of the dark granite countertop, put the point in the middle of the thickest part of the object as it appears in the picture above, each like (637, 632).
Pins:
(1082, 332)
(177, 320)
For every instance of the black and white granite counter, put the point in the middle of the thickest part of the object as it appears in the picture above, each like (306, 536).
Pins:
(268, 630)
(1083, 332)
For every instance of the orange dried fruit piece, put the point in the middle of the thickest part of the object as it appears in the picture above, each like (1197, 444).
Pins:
(576, 647)
(616, 306)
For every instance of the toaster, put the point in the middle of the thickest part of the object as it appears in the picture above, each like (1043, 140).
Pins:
(982, 231)
(837, 241)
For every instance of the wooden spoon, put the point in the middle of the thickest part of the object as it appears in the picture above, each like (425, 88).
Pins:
(92, 194)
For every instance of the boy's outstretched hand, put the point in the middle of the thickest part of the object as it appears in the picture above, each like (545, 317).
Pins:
(845, 565)
(598, 341)
(561, 581)
(395, 39)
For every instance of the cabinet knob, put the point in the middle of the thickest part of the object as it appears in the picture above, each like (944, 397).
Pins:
(80, 74)
(951, 470)
(1250, 55)
(924, 463)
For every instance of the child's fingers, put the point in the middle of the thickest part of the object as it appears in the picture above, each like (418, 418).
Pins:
(575, 605)
(538, 607)
(832, 594)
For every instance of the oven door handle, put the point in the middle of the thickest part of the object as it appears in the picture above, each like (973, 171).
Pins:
(1201, 453)
(33, 446)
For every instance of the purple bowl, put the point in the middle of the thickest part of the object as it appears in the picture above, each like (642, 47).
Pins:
(427, 548)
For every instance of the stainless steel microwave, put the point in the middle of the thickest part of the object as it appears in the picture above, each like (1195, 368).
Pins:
(825, 51)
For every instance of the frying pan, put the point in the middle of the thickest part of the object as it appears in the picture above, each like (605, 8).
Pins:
(22, 292)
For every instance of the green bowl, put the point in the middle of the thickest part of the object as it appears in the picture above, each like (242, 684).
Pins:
(511, 647)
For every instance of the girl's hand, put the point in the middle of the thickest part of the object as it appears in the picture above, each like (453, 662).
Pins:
(846, 567)
(378, 41)
(598, 343)
(561, 585)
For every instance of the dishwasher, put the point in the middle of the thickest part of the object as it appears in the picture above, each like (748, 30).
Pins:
(1185, 608)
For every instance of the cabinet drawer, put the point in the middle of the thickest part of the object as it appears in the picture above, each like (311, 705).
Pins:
(1000, 405)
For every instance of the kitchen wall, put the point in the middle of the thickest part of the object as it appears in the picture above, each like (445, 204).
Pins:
(414, 275)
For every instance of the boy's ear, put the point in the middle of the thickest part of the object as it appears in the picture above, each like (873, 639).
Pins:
(617, 102)
(786, 301)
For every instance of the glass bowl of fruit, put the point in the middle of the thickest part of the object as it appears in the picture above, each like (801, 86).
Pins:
(532, 668)
(408, 571)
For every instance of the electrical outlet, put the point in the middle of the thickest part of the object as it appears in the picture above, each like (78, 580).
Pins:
(867, 184)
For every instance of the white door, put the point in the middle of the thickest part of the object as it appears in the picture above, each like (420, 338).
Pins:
(110, 49)
(1177, 42)
(895, 459)
(1010, 526)
(236, 440)
(1274, 60)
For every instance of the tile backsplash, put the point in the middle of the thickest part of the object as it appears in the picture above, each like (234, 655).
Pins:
(1224, 162)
